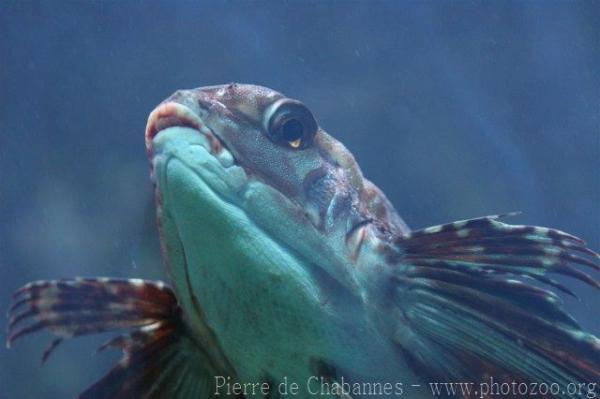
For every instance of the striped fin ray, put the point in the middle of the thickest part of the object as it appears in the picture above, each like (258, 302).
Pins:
(160, 358)
(487, 245)
(466, 308)
(73, 307)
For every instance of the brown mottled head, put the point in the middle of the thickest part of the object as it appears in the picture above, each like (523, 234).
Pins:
(287, 174)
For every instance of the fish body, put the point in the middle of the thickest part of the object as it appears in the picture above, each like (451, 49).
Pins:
(266, 300)
(288, 266)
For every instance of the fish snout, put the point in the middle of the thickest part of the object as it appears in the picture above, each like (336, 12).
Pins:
(175, 114)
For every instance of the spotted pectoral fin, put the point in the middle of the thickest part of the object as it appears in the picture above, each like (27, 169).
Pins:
(465, 307)
(160, 357)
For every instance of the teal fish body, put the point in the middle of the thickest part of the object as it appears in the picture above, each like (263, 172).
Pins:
(276, 243)
(288, 266)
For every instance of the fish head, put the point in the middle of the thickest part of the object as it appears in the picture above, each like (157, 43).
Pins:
(264, 165)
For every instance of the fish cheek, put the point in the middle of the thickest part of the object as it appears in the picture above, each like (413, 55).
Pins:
(276, 165)
(327, 197)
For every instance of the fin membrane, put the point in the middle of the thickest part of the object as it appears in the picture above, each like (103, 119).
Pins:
(160, 358)
(467, 311)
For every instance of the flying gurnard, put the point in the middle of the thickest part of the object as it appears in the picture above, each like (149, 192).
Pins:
(286, 264)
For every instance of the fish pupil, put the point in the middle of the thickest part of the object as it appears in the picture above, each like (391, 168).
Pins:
(292, 130)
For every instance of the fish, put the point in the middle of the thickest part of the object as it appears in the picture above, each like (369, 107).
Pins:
(291, 274)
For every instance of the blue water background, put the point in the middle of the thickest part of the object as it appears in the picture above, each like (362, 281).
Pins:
(455, 109)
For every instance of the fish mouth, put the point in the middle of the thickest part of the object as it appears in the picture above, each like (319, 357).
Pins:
(177, 131)
(174, 114)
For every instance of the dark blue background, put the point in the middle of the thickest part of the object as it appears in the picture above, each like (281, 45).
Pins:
(455, 109)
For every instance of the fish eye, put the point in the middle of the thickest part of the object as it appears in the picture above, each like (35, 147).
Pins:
(291, 124)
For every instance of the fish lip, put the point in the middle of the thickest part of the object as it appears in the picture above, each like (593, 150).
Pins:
(175, 114)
